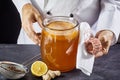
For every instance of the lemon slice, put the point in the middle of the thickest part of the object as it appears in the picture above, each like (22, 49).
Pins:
(39, 68)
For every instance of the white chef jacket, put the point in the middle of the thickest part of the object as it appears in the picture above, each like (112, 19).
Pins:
(100, 14)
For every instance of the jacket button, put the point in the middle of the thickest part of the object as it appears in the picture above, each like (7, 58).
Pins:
(71, 15)
(49, 13)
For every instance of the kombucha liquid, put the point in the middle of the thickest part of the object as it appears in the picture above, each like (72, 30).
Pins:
(59, 48)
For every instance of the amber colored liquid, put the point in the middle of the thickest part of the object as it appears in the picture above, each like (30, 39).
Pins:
(59, 48)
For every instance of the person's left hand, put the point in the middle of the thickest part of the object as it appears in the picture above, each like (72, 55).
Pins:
(105, 38)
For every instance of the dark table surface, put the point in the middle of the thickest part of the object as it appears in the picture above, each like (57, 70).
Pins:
(105, 68)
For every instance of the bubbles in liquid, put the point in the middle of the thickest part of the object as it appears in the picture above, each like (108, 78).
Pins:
(61, 28)
(60, 25)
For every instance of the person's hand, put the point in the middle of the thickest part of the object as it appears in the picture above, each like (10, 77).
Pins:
(100, 44)
(105, 38)
(30, 15)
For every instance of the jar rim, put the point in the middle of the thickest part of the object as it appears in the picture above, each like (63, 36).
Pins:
(60, 18)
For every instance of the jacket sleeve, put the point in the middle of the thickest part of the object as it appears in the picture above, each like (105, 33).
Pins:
(20, 3)
(109, 18)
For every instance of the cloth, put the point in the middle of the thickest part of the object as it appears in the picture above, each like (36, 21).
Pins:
(84, 61)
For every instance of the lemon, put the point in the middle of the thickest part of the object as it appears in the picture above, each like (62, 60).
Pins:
(39, 68)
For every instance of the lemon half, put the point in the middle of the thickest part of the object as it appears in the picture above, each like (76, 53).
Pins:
(39, 68)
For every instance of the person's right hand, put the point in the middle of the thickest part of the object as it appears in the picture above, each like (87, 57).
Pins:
(30, 15)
